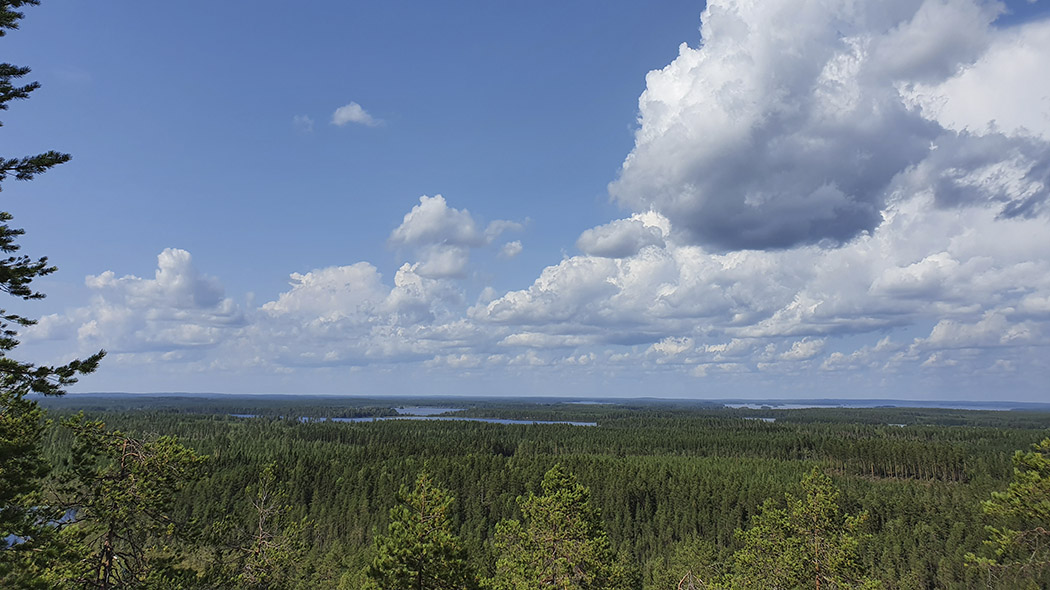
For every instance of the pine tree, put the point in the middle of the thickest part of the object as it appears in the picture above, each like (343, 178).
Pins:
(120, 492)
(561, 543)
(808, 544)
(274, 544)
(21, 420)
(419, 551)
(1021, 544)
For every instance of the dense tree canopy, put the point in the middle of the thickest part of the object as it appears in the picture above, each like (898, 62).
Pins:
(670, 488)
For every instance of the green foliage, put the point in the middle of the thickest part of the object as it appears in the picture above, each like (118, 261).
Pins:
(21, 420)
(119, 493)
(807, 544)
(1021, 544)
(662, 480)
(419, 550)
(260, 548)
(690, 565)
(561, 543)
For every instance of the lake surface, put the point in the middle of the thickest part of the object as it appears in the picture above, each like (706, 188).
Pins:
(463, 419)
(768, 406)
(430, 417)
(424, 410)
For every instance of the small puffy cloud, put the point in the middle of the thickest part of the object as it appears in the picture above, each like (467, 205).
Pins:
(432, 221)
(442, 236)
(511, 249)
(802, 350)
(355, 295)
(924, 279)
(672, 346)
(621, 238)
(353, 113)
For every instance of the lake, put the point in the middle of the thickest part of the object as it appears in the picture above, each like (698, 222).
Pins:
(429, 416)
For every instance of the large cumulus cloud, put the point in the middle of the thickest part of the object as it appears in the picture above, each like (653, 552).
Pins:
(789, 124)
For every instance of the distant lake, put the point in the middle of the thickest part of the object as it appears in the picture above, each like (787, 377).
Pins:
(429, 416)
(899, 404)
(769, 406)
(424, 410)
(461, 419)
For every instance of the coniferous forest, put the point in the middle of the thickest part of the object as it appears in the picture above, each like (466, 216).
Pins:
(657, 495)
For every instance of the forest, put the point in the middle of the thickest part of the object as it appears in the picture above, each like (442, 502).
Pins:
(663, 495)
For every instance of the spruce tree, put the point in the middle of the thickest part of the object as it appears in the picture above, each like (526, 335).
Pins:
(21, 419)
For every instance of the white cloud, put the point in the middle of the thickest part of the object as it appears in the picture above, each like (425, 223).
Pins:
(510, 249)
(1005, 89)
(178, 308)
(50, 327)
(354, 113)
(787, 125)
(672, 346)
(347, 315)
(544, 341)
(432, 221)
(443, 236)
(802, 350)
(623, 237)
(333, 293)
(760, 308)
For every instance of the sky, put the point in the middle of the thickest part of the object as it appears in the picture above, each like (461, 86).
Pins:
(743, 199)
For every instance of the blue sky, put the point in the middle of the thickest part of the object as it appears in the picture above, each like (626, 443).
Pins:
(803, 200)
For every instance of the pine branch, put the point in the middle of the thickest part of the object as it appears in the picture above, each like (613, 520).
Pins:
(27, 167)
